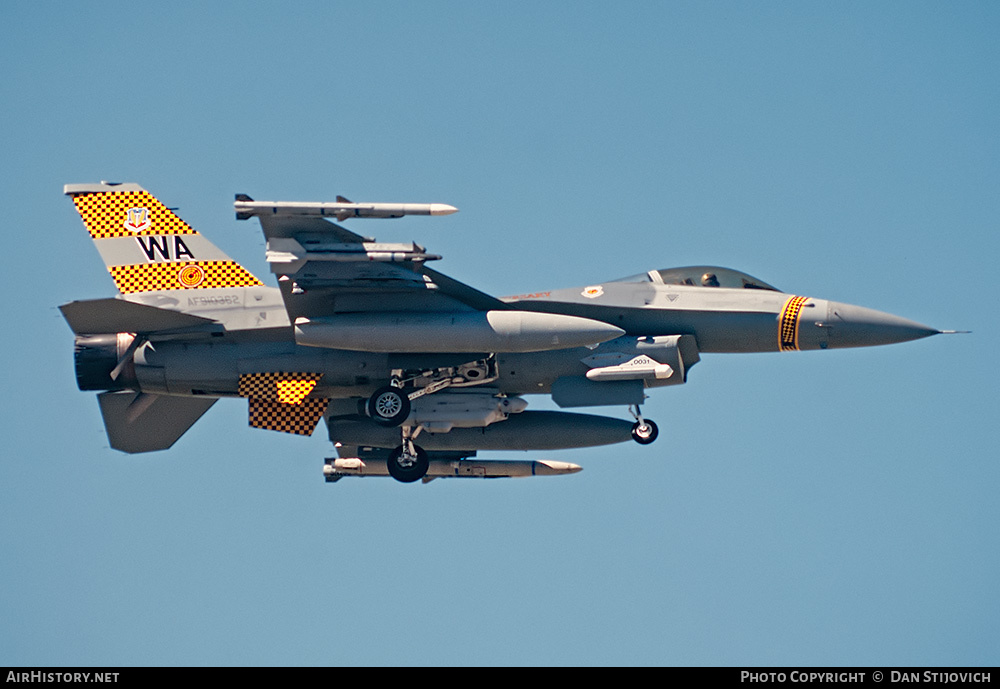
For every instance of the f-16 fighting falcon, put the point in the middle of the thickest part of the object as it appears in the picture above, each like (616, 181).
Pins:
(412, 371)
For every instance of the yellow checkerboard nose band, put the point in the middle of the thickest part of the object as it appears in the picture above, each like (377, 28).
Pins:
(147, 277)
(788, 324)
(127, 213)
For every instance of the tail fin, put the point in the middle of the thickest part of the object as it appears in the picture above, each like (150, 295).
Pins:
(146, 247)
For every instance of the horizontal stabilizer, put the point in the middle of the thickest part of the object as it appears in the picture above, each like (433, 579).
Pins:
(98, 316)
(142, 422)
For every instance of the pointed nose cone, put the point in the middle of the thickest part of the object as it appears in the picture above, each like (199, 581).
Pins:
(442, 209)
(549, 467)
(856, 326)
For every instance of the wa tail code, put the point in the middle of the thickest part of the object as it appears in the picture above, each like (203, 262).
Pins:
(146, 247)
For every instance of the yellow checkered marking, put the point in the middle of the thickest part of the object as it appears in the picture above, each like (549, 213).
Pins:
(294, 391)
(279, 402)
(788, 324)
(300, 419)
(278, 386)
(104, 214)
(146, 277)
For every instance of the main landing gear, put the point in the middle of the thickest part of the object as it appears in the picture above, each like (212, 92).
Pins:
(408, 462)
(644, 431)
(389, 406)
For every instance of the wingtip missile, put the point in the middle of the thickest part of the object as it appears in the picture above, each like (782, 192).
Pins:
(341, 209)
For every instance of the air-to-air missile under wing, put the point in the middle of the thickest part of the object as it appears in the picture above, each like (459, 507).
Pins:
(343, 209)
(412, 371)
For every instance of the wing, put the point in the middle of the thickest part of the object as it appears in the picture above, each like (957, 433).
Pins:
(324, 269)
(345, 291)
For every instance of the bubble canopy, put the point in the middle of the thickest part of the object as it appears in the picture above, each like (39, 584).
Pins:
(701, 276)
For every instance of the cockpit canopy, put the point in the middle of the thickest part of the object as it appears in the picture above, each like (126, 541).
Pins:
(701, 276)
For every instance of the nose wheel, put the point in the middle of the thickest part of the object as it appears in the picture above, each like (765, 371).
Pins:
(644, 431)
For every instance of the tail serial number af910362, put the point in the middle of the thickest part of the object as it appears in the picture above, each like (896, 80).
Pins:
(412, 371)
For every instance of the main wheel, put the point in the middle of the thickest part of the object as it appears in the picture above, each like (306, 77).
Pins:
(389, 406)
(644, 432)
(407, 468)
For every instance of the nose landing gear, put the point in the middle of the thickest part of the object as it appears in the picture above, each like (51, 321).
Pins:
(644, 431)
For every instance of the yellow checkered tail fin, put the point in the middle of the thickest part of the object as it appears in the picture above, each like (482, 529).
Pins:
(146, 247)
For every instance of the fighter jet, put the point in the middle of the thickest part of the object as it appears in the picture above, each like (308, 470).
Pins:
(412, 371)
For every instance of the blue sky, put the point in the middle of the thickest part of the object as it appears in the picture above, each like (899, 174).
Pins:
(831, 508)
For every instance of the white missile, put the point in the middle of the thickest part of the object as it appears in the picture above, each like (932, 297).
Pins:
(287, 256)
(337, 468)
(341, 209)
